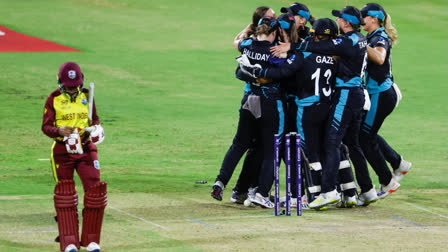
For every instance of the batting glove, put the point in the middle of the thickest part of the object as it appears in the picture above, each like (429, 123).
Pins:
(253, 71)
(96, 134)
(73, 143)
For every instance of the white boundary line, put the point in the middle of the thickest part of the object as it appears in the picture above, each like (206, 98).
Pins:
(426, 210)
(140, 218)
(43, 159)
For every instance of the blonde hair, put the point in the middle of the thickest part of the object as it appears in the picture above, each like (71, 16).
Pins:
(262, 29)
(390, 29)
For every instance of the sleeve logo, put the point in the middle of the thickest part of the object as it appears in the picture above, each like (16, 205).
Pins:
(337, 41)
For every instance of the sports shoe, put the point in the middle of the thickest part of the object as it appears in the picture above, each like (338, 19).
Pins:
(402, 169)
(364, 199)
(325, 199)
(251, 192)
(71, 248)
(386, 190)
(93, 247)
(305, 204)
(238, 198)
(262, 201)
(348, 201)
(292, 202)
(216, 193)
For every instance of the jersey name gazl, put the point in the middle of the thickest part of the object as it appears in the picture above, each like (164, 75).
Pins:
(256, 56)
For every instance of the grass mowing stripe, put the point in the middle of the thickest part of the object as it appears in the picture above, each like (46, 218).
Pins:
(140, 218)
(408, 221)
(424, 209)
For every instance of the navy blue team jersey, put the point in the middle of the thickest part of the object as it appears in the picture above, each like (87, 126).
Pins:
(379, 77)
(351, 47)
(258, 52)
(314, 75)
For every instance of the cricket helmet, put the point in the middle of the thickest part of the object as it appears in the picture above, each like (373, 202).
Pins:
(325, 26)
(70, 75)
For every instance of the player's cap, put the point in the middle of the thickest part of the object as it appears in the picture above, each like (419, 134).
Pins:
(349, 13)
(373, 10)
(297, 9)
(70, 75)
(269, 21)
(325, 26)
(286, 21)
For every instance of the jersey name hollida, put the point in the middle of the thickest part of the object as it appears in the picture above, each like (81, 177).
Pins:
(256, 56)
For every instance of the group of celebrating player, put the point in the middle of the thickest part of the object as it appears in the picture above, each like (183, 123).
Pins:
(334, 90)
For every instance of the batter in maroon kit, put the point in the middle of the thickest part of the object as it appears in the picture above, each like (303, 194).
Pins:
(66, 120)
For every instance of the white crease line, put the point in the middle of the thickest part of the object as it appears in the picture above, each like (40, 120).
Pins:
(140, 218)
(235, 217)
(43, 159)
(29, 231)
(421, 208)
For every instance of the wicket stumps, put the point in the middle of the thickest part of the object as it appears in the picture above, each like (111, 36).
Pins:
(276, 174)
(287, 173)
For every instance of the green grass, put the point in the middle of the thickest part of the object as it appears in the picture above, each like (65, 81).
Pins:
(168, 101)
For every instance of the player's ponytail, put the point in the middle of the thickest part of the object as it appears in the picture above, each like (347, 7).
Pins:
(293, 36)
(390, 30)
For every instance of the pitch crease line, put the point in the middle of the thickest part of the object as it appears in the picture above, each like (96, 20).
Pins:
(203, 223)
(29, 231)
(424, 209)
(407, 221)
(140, 218)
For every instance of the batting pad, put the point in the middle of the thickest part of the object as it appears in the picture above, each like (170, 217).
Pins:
(66, 204)
(95, 200)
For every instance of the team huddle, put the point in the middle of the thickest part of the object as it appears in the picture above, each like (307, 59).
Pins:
(331, 85)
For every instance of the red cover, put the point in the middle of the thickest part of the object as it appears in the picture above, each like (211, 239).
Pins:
(11, 41)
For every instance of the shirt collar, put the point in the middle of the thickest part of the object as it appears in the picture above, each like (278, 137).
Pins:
(375, 31)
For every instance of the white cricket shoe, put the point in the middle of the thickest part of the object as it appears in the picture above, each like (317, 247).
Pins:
(349, 201)
(262, 201)
(71, 248)
(305, 203)
(292, 202)
(251, 192)
(386, 190)
(325, 199)
(93, 247)
(404, 167)
(364, 199)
